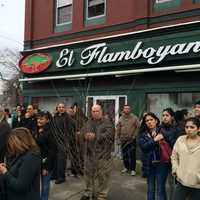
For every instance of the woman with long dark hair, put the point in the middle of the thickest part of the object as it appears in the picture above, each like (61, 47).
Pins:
(170, 130)
(156, 170)
(181, 116)
(45, 140)
(22, 172)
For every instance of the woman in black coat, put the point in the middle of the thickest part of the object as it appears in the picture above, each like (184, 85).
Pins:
(22, 172)
(45, 140)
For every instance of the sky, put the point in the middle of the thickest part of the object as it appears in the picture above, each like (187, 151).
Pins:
(11, 27)
(12, 23)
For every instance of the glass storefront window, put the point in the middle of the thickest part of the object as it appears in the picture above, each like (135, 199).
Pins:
(49, 103)
(177, 101)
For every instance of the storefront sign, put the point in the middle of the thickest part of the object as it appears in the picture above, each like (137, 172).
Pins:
(101, 53)
(152, 50)
(35, 63)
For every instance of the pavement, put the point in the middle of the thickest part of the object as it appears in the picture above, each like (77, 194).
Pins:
(123, 186)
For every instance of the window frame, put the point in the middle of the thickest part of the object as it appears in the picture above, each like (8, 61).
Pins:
(95, 17)
(65, 23)
(162, 1)
(166, 5)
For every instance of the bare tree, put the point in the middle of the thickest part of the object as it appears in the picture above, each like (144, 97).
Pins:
(9, 74)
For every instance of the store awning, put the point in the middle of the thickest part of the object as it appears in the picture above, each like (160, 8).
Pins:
(181, 68)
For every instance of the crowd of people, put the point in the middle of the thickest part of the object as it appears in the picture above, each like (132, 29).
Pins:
(169, 151)
(36, 145)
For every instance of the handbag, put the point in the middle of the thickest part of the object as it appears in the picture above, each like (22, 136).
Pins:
(165, 151)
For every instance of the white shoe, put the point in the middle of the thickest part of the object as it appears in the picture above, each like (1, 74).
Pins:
(124, 170)
(133, 173)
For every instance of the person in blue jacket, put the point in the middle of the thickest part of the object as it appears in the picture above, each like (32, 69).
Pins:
(22, 172)
(155, 169)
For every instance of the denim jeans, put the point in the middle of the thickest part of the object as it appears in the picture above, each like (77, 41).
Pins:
(45, 185)
(182, 192)
(156, 181)
(129, 155)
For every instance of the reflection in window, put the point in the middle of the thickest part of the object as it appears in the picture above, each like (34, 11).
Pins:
(49, 103)
(108, 107)
(89, 104)
(96, 8)
(64, 11)
(122, 102)
(162, 1)
(157, 102)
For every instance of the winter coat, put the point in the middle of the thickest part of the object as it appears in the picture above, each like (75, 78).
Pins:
(101, 147)
(31, 124)
(127, 128)
(48, 149)
(23, 177)
(150, 150)
(170, 133)
(18, 122)
(63, 124)
(80, 120)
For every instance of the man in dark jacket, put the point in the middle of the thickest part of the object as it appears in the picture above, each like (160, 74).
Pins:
(64, 126)
(30, 121)
(98, 137)
(18, 117)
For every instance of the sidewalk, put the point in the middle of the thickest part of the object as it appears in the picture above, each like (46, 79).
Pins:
(123, 187)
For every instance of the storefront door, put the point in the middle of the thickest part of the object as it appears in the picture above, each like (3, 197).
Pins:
(111, 105)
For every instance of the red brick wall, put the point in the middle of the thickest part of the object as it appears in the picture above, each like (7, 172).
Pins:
(39, 17)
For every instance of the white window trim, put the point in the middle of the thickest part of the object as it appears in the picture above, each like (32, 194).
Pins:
(110, 97)
(162, 1)
(61, 24)
(96, 17)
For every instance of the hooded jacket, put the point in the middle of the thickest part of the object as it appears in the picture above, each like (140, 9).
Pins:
(186, 163)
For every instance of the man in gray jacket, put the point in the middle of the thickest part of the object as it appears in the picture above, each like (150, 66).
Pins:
(98, 137)
(127, 129)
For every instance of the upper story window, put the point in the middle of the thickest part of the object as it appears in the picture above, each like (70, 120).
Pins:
(64, 12)
(161, 5)
(162, 1)
(96, 8)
